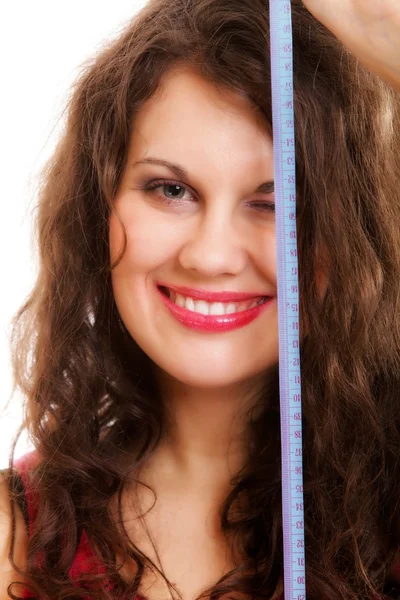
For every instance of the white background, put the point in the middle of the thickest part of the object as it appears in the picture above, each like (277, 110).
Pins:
(42, 45)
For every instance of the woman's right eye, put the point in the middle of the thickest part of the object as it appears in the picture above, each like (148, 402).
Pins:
(172, 190)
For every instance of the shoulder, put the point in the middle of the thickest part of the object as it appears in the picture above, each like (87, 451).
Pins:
(7, 572)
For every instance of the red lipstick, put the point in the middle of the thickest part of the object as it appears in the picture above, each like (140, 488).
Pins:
(214, 323)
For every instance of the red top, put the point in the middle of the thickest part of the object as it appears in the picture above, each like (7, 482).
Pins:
(85, 560)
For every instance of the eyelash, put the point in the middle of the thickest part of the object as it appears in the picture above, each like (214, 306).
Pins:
(151, 187)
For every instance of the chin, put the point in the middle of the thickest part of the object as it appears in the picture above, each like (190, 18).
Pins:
(211, 376)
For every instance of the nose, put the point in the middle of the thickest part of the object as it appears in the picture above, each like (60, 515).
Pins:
(214, 246)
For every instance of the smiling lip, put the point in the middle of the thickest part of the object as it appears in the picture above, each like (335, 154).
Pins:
(213, 323)
(213, 296)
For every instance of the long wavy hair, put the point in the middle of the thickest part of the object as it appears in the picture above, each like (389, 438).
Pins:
(92, 408)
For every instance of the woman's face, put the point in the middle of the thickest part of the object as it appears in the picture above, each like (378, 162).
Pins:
(210, 228)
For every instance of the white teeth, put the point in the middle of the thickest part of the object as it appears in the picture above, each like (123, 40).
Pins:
(189, 304)
(231, 308)
(203, 308)
(211, 308)
(179, 300)
(217, 308)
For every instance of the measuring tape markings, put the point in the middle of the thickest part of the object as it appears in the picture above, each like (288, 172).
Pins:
(288, 299)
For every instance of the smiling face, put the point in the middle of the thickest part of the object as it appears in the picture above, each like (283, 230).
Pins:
(208, 227)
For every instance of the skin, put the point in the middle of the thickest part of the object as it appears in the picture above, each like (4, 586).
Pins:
(212, 240)
(369, 28)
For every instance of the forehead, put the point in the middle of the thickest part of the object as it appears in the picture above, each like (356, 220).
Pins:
(189, 113)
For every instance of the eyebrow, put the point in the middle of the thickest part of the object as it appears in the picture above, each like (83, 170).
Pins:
(265, 188)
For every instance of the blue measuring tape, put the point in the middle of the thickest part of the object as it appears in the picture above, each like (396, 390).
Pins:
(288, 299)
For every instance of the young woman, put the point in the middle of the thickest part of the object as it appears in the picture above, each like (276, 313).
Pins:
(148, 348)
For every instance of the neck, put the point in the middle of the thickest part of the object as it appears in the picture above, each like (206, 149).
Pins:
(205, 435)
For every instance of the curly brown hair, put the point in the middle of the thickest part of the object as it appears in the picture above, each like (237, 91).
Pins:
(92, 407)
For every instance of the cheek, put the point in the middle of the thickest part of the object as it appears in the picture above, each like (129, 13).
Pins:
(150, 242)
(116, 238)
(264, 256)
